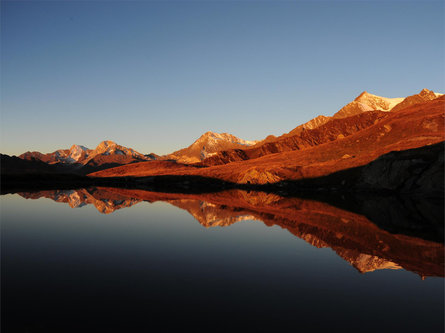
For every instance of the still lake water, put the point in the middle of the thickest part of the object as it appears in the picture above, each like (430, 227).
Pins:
(241, 262)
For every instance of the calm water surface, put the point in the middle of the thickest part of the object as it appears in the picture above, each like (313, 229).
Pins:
(189, 264)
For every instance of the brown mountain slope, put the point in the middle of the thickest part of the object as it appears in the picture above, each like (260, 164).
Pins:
(311, 124)
(416, 126)
(423, 96)
(37, 156)
(76, 154)
(106, 153)
(207, 145)
(334, 129)
(357, 111)
(367, 102)
(363, 103)
(12, 165)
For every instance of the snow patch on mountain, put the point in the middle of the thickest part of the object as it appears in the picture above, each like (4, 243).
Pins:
(207, 145)
(368, 102)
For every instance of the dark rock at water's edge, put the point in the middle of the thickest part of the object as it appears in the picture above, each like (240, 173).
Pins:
(419, 215)
(168, 183)
(419, 170)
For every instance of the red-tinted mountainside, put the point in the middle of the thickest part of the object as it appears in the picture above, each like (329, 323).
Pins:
(359, 133)
(81, 160)
(208, 145)
(107, 152)
(368, 102)
(353, 141)
(423, 96)
(333, 130)
(304, 136)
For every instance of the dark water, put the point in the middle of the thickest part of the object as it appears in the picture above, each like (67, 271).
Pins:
(236, 262)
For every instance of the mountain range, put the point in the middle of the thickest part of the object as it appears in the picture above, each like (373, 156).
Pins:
(360, 132)
(339, 144)
(105, 155)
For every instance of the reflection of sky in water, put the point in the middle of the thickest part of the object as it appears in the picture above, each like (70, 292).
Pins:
(158, 254)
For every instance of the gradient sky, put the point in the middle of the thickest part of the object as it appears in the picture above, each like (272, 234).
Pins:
(155, 75)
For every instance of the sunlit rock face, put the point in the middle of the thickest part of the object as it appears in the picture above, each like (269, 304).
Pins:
(367, 102)
(359, 133)
(107, 152)
(208, 145)
(301, 138)
(393, 238)
(341, 144)
(424, 96)
(377, 133)
(330, 129)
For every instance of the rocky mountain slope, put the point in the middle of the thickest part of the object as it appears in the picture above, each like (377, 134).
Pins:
(423, 96)
(367, 102)
(208, 145)
(76, 154)
(363, 104)
(15, 165)
(324, 147)
(331, 131)
(413, 127)
(107, 153)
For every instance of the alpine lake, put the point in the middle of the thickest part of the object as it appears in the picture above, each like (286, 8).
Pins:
(116, 260)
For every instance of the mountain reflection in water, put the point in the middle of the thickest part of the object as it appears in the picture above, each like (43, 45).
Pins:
(354, 237)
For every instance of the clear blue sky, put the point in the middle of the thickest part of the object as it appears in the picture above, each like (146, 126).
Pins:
(155, 75)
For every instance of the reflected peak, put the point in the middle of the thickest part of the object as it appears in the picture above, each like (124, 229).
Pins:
(408, 241)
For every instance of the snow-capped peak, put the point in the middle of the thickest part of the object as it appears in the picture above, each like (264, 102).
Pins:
(105, 144)
(76, 153)
(375, 102)
(109, 147)
(208, 145)
(79, 147)
(213, 138)
(368, 102)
